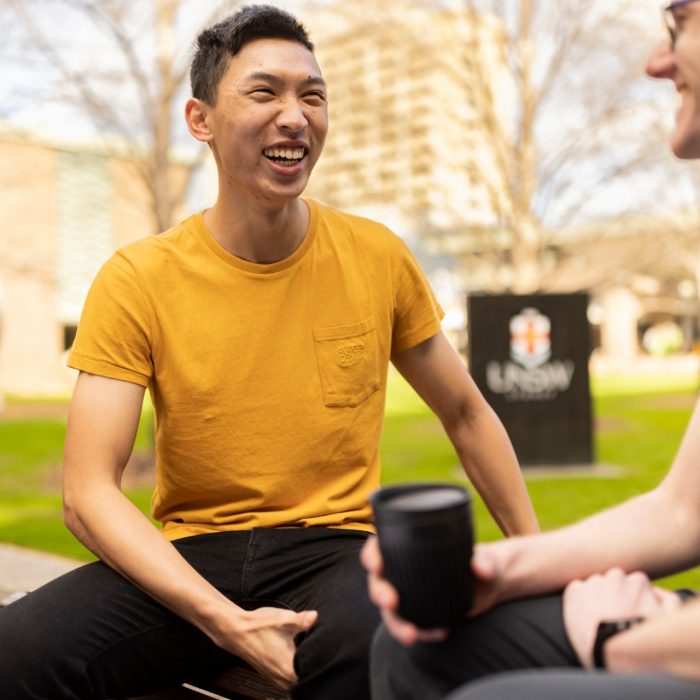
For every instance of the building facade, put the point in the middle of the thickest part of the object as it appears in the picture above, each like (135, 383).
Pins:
(64, 210)
(403, 135)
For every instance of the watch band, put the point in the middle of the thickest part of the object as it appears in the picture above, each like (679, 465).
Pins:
(607, 629)
(685, 594)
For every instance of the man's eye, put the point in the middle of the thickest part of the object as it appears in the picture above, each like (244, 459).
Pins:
(315, 96)
(679, 19)
(262, 91)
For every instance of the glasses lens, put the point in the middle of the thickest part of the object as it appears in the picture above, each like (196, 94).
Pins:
(670, 23)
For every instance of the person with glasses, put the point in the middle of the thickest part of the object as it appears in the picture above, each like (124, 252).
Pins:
(572, 613)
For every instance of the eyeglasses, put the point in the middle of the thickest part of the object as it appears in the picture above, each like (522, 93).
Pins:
(670, 18)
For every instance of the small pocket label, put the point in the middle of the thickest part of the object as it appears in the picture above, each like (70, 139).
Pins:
(348, 362)
(350, 353)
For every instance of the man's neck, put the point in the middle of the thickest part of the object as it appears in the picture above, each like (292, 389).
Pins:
(262, 234)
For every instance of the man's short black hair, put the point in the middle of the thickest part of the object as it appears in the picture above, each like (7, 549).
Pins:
(218, 44)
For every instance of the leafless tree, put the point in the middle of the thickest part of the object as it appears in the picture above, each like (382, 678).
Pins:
(577, 62)
(125, 70)
(568, 125)
(116, 72)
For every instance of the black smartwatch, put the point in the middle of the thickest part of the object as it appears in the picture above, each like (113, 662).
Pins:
(607, 629)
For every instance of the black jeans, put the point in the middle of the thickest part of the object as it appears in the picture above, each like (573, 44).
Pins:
(526, 636)
(93, 634)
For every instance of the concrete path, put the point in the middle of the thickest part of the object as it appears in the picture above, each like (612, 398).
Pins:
(26, 569)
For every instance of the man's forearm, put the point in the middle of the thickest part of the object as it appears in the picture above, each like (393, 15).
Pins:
(490, 463)
(124, 538)
(121, 536)
(651, 533)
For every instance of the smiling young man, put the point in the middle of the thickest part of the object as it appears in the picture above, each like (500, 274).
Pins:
(263, 328)
(612, 635)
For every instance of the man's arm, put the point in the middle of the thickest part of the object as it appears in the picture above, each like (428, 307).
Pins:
(435, 371)
(102, 425)
(657, 532)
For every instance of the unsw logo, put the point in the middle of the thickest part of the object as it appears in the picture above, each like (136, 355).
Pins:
(530, 376)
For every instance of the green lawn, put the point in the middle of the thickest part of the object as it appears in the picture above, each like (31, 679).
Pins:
(639, 427)
(30, 501)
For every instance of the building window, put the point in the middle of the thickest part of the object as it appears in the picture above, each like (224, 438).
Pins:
(69, 332)
(85, 238)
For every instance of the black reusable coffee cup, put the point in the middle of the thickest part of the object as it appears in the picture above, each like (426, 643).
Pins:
(426, 538)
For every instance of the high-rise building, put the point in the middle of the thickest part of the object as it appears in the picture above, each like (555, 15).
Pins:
(404, 138)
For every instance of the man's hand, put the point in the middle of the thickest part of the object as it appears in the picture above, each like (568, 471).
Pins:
(613, 595)
(386, 598)
(489, 565)
(265, 639)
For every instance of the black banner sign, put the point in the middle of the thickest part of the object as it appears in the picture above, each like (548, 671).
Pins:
(529, 357)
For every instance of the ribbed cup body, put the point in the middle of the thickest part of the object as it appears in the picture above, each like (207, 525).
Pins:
(426, 539)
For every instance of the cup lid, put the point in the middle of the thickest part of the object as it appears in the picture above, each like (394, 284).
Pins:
(429, 499)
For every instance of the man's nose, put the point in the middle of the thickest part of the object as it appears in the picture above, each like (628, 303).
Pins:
(661, 61)
(292, 116)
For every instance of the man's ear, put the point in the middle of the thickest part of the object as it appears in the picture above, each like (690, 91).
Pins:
(196, 118)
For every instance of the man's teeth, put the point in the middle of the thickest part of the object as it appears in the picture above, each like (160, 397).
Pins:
(286, 153)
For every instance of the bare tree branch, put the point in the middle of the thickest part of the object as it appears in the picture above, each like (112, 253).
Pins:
(144, 120)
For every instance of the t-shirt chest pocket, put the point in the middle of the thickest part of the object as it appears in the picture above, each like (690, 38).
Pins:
(348, 362)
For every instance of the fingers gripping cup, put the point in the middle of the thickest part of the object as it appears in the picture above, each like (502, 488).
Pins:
(426, 539)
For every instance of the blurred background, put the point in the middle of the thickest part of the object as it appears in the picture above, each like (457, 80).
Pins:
(516, 145)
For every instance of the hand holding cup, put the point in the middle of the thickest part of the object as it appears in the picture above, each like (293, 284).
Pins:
(426, 539)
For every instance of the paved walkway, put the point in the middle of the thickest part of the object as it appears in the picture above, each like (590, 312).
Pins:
(26, 569)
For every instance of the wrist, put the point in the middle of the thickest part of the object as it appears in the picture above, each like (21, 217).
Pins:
(606, 630)
(516, 577)
(493, 565)
(219, 618)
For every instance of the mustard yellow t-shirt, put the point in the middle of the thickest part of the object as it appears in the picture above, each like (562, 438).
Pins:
(268, 380)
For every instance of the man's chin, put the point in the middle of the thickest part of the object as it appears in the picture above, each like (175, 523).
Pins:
(282, 195)
(686, 146)
(288, 188)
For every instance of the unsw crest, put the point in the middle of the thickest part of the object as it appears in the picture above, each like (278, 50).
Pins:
(530, 338)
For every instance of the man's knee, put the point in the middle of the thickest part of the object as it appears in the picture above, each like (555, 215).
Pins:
(388, 656)
(404, 673)
(333, 659)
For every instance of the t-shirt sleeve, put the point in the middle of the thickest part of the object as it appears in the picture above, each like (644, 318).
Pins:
(114, 333)
(417, 311)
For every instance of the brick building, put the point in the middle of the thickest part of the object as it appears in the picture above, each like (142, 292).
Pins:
(63, 211)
